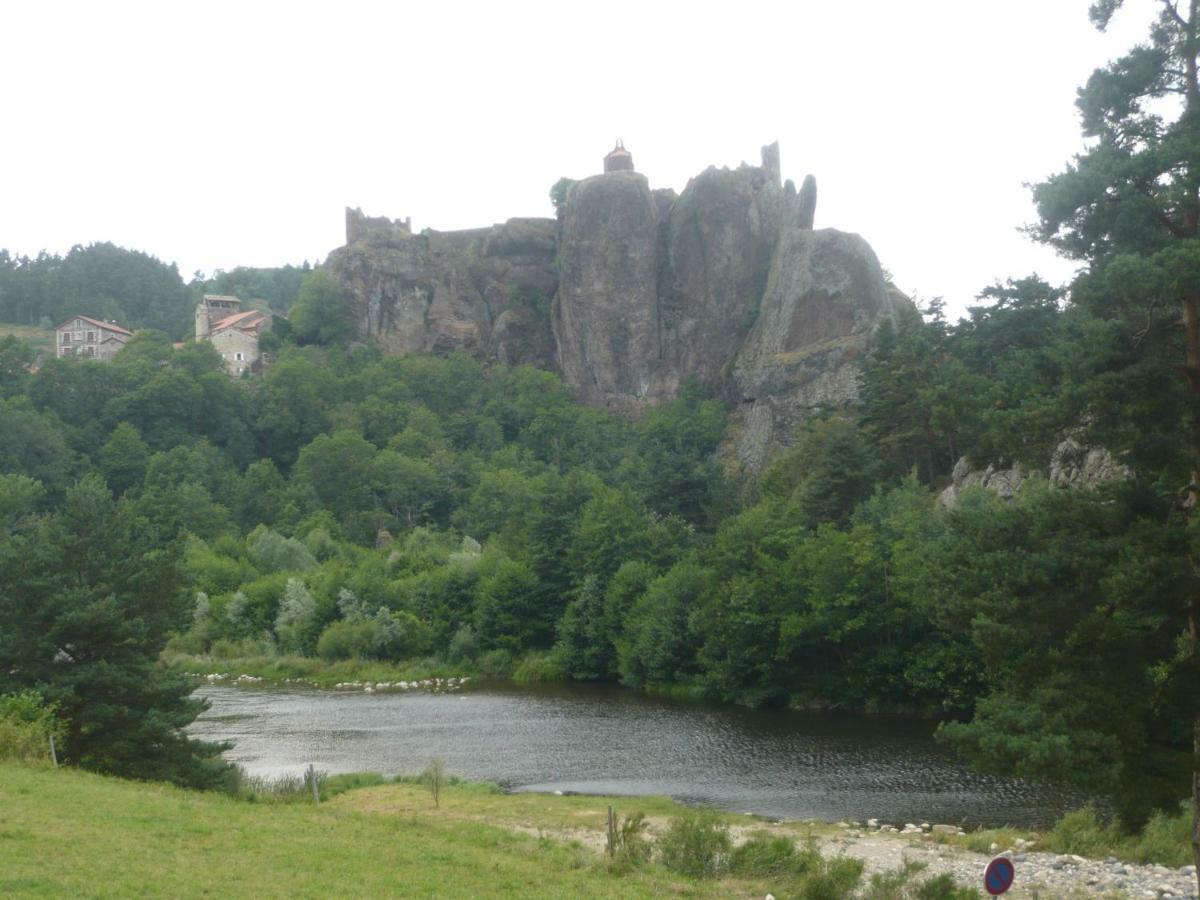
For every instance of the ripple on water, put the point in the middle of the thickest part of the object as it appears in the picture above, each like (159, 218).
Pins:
(588, 740)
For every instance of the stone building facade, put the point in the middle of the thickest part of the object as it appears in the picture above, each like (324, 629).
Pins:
(233, 331)
(83, 337)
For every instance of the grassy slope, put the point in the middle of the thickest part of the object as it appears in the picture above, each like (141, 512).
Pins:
(41, 339)
(71, 833)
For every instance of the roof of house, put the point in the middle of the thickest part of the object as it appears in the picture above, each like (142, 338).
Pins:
(108, 325)
(220, 298)
(238, 319)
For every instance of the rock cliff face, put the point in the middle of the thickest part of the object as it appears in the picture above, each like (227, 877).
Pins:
(487, 290)
(726, 283)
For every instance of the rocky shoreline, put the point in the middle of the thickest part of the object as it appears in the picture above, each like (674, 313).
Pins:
(1038, 874)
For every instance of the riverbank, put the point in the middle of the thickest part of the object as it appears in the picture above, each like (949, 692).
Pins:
(121, 838)
(389, 839)
(309, 671)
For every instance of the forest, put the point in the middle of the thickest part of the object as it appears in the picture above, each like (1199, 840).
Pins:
(352, 505)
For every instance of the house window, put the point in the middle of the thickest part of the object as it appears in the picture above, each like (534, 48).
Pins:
(239, 358)
(66, 338)
(91, 336)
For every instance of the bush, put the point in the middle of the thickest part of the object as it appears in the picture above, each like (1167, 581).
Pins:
(496, 664)
(346, 640)
(540, 667)
(463, 646)
(764, 854)
(696, 845)
(26, 725)
(633, 847)
(831, 878)
(943, 887)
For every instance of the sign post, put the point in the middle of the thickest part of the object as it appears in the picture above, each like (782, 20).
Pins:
(998, 877)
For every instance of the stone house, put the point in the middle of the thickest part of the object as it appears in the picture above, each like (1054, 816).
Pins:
(87, 338)
(234, 332)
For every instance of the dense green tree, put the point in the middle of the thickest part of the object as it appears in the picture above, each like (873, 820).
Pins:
(88, 598)
(123, 458)
(322, 313)
(1129, 208)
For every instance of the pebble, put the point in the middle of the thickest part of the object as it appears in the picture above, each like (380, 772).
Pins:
(1050, 874)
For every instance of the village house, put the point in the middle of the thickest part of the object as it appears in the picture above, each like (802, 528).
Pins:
(233, 331)
(88, 338)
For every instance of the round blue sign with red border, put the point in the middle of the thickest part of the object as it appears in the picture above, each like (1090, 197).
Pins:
(999, 875)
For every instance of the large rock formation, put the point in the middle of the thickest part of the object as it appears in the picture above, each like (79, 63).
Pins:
(726, 283)
(486, 290)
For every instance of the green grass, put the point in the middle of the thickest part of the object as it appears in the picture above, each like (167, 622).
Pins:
(41, 339)
(1166, 839)
(66, 833)
(314, 671)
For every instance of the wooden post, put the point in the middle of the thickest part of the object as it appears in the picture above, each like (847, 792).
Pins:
(612, 833)
(312, 777)
(53, 752)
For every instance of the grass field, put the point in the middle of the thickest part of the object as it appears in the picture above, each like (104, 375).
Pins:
(66, 833)
(43, 340)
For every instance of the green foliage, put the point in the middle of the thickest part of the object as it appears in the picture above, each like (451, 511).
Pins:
(27, 724)
(101, 280)
(89, 595)
(297, 615)
(764, 854)
(537, 668)
(322, 312)
(696, 844)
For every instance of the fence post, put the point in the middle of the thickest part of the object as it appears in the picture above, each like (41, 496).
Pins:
(612, 833)
(53, 752)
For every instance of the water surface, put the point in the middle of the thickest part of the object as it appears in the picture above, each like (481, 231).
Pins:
(613, 741)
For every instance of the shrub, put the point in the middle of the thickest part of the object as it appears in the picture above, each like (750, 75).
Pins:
(831, 878)
(26, 726)
(434, 778)
(346, 640)
(633, 847)
(463, 646)
(695, 845)
(943, 887)
(540, 667)
(496, 664)
(764, 854)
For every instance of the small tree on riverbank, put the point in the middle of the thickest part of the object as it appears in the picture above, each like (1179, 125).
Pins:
(434, 778)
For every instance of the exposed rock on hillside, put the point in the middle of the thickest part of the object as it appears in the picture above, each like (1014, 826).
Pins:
(1072, 465)
(486, 290)
(726, 283)
(606, 316)
(825, 294)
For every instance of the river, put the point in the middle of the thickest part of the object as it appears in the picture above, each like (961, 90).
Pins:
(612, 741)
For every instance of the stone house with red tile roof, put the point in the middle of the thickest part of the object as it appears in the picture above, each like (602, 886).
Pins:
(233, 331)
(83, 337)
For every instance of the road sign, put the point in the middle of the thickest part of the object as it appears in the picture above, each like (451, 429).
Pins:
(999, 875)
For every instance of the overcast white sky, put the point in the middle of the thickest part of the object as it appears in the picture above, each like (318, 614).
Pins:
(219, 134)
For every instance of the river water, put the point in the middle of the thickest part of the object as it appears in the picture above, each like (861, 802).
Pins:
(612, 741)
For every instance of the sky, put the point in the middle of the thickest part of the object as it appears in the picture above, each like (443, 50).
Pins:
(220, 134)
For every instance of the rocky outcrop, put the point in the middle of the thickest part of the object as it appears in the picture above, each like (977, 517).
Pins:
(726, 283)
(1072, 465)
(485, 290)
(824, 296)
(606, 317)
